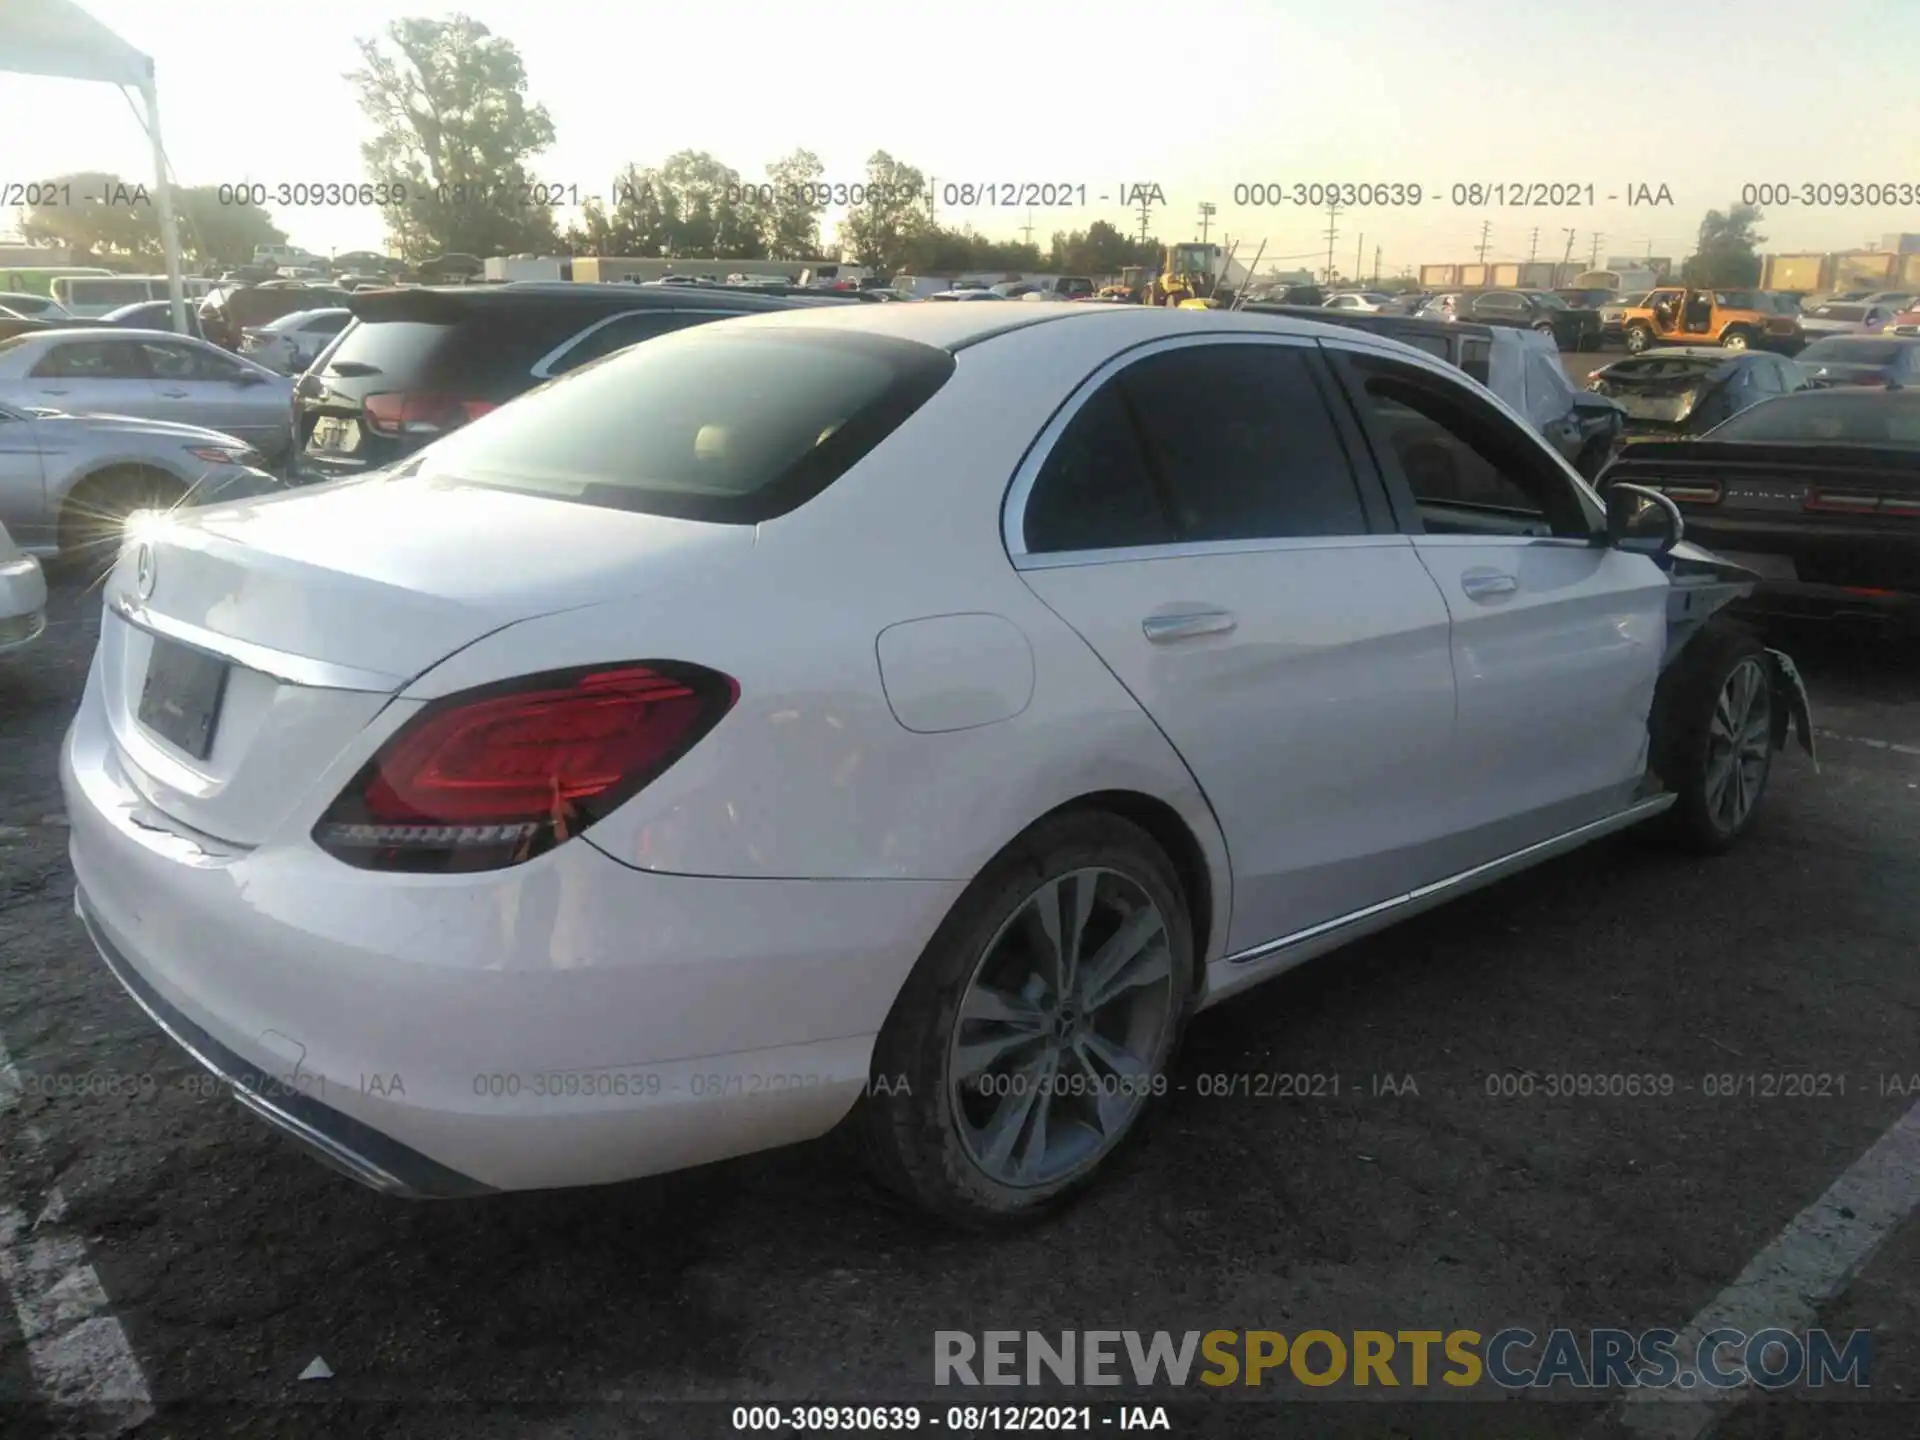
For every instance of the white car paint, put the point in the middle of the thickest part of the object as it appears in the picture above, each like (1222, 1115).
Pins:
(23, 596)
(914, 692)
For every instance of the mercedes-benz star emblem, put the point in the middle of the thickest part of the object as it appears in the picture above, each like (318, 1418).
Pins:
(143, 570)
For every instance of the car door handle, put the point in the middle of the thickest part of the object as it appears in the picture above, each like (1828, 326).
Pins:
(175, 394)
(1485, 585)
(1162, 628)
(53, 390)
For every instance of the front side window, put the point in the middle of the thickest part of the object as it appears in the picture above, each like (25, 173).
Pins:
(1468, 470)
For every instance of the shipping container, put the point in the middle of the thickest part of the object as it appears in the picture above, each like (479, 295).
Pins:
(1855, 269)
(1810, 273)
(1439, 277)
(1474, 277)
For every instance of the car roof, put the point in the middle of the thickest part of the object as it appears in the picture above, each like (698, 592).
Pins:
(1686, 352)
(954, 327)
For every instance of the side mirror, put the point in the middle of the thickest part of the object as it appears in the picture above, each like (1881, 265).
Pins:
(247, 379)
(1642, 521)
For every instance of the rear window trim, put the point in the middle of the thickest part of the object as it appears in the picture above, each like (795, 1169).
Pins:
(922, 371)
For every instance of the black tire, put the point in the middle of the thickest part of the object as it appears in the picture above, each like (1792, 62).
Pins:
(1638, 338)
(1738, 338)
(1687, 747)
(909, 1131)
(95, 514)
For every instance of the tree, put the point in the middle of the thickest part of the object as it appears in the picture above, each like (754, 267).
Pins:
(89, 213)
(792, 221)
(717, 216)
(893, 215)
(1100, 249)
(1727, 251)
(223, 234)
(448, 101)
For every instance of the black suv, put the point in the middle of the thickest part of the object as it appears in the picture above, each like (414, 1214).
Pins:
(418, 363)
(1540, 310)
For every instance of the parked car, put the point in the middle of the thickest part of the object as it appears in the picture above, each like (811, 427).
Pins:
(231, 310)
(154, 315)
(291, 343)
(32, 307)
(419, 363)
(87, 297)
(23, 587)
(1364, 301)
(1883, 359)
(151, 374)
(1836, 319)
(958, 294)
(1594, 299)
(1732, 319)
(1688, 390)
(1893, 299)
(593, 695)
(1907, 322)
(68, 482)
(1817, 492)
(1539, 310)
(12, 325)
(1521, 367)
(1613, 317)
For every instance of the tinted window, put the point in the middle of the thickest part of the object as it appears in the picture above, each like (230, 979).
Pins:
(706, 425)
(1095, 492)
(1476, 358)
(1459, 456)
(92, 360)
(394, 348)
(108, 292)
(185, 362)
(620, 332)
(1242, 440)
(1846, 351)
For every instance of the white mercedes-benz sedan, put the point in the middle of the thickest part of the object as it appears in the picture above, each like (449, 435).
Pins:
(903, 717)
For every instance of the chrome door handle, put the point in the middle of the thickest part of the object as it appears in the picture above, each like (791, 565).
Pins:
(174, 394)
(1162, 628)
(53, 390)
(1484, 586)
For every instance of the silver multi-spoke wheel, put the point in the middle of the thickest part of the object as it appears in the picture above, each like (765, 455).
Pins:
(1738, 741)
(1061, 1028)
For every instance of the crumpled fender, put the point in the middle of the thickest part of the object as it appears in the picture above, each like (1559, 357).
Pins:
(1791, 705)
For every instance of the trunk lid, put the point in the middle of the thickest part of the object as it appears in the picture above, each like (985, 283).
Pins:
(322, 604)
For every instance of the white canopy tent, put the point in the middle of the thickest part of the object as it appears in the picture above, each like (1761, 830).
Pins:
(57, 37)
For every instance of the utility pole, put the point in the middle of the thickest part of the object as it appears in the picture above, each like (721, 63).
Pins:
(1026, 230)
(1146, 213)
(1359, 257)
(1533, 250)
(1593, 255)
(1333, 234)
(933, 189)
(1376, 267)
(1207, 211)
(1567, 258)
(1486, 226)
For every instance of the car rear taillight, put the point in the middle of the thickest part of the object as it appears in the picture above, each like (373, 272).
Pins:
(495, 776)
(397, 412)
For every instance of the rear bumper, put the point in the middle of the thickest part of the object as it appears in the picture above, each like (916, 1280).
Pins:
(1846, 571)
(570, 1021)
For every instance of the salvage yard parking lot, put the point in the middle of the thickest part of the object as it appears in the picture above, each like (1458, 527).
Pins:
(157, 1241)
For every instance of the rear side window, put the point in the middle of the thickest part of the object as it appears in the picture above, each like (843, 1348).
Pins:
(1197, 444)
(1244, 442)
(92, 360)
(734, 428)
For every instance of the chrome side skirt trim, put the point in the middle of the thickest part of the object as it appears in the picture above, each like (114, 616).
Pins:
(1460, 884)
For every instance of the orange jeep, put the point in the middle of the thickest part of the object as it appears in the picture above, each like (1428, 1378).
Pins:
(1735, 319)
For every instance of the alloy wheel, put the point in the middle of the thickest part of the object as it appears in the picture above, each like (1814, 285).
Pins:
(1737, 746)
(1053, 1053)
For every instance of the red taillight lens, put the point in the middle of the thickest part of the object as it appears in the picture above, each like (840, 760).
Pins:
(1707, 494)
(496, 776)
(1844, 504)
(397, 412)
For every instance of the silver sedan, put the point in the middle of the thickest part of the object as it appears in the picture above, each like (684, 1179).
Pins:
(151, 374)
(68, 482)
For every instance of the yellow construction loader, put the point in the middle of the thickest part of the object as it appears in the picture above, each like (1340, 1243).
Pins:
(1190, 277)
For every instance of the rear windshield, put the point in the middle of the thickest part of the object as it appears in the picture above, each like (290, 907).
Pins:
(1663, 367)
(1853, 352)
(703, 425)
(400, 349)
(1832, 419)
